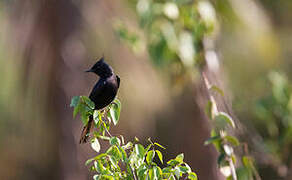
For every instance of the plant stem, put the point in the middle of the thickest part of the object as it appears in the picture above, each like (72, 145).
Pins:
(232, 168)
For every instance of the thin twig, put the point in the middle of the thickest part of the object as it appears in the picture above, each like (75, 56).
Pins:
(232, 168)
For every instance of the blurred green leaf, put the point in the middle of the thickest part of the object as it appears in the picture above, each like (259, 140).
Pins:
(208, 109)
(222, 119)
(217, 89)
(232, 140)
(212, 140)
(221, 159)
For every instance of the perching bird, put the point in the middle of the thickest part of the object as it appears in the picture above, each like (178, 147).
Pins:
(103, 93)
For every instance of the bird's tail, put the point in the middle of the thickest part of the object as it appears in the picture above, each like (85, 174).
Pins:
(86, 130)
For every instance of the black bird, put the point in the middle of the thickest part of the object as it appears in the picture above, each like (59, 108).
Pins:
(103, 93)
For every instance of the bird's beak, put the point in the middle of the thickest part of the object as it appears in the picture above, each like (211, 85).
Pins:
(90, 70)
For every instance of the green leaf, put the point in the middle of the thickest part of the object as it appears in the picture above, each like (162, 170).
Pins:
(221, 159)
(212, 140)
(167, 170)
(115, 110)
(115, 141)
(140, 151)
(114, 152)
(208, 109)
(151, 174)
(172, 177)
(173, 162)
(103, 137)
(84, 118)
(124, 154)
(159, 154)
(113, 161)
(188, 167)
(183, 169)
(159, 145)
(98, 166)
(222, 119)
(180, 158)
(248, 162)
(192, 176)
(88, 102)
(232, 140)
(129, 145)
(148, 147)
(96, 177)
(156, 172)
(217, 89)
(75, 101)
(142, 172)
(150, 156)
(76, 109)
(96, 116)
(89, 161)
(95, 145)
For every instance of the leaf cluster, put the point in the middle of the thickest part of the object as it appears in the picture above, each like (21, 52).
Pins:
(125, 160)
(225, 143)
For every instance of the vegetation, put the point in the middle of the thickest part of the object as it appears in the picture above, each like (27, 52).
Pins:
(125, 160)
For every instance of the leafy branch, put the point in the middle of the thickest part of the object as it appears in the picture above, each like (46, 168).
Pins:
(125, 160)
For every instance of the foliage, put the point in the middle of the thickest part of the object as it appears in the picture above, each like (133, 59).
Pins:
(225, 143)
(125, 160)
(273, 117)
(174, 34)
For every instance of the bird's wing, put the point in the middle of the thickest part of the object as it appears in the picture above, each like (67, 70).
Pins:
(97, 90)
(118, 80)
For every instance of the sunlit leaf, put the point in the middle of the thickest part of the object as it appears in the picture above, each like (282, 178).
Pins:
(96, 116)
(95, 145)
(115, 110)
(115, 141)
(159, 145)
(150, 156)
(180, 158)
(139, 150)
(192, 176)
(159, 154)
(129, 145)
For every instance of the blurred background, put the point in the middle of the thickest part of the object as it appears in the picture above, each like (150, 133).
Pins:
(45, 46)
